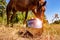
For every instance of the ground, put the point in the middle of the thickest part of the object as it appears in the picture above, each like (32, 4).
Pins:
(50, 32)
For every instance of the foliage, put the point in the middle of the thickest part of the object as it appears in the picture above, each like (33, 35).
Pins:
(21, 16)
(2, 11)
(56, 22)
(45, 20)
(2, 7)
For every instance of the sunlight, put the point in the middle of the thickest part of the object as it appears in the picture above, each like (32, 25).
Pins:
(38, 23)
(35, 23)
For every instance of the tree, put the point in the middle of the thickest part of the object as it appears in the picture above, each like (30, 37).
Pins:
(56, 22)
(2, 10)
(45, 20)
(2, 7)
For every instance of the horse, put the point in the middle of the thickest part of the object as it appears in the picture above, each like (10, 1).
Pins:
(41, 9)
(23, 6)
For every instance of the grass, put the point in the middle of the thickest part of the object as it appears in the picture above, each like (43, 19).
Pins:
(51, 32)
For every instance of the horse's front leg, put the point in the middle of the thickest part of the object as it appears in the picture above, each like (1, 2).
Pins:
(24, 22)
(42, 13)
(36, 13)
(12, 17)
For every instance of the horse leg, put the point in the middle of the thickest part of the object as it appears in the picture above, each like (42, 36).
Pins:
(8, 10)
(35, 13)
(42, 14)
(12, 17)
(25, 17)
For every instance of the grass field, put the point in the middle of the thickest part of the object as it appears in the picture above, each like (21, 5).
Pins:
(51, 32)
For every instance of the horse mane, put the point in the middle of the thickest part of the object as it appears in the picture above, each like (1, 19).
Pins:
(44, 3)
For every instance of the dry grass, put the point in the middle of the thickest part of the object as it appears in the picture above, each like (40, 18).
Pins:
(51, 32)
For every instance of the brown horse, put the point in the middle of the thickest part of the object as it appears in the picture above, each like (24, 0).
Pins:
(41, 10)
(23, 5)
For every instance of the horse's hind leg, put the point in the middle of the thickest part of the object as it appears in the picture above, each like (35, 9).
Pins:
(12, 17)
(8, 10)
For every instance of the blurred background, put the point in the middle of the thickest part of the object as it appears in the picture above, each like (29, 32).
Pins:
(52, 8)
